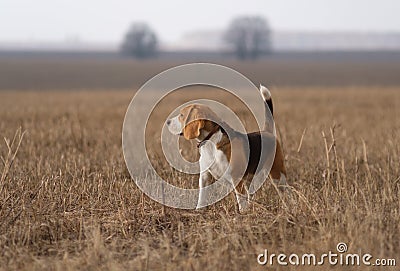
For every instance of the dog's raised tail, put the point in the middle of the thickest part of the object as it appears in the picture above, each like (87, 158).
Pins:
(266, 94)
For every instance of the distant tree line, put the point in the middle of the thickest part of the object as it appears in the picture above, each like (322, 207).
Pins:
(247, 36)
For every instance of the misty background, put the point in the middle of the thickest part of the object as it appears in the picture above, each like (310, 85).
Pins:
(295, 25)
(59, 44)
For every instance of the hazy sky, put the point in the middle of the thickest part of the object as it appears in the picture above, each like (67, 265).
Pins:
(106, 21)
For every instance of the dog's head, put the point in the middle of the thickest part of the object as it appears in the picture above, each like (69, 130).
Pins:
(194, 121)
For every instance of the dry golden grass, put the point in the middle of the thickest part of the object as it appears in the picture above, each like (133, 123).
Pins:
(67, 200)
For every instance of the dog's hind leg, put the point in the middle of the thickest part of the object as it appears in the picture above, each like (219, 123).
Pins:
(242, 195)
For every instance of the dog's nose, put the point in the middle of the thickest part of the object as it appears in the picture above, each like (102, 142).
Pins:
(168, 122)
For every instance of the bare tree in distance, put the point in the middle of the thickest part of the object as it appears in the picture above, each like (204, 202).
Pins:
(249, 36)
(140, 41)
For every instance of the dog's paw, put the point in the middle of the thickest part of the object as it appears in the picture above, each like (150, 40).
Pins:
(244, 209)
(243, 204)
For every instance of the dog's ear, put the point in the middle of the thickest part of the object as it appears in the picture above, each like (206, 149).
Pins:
(192, 129)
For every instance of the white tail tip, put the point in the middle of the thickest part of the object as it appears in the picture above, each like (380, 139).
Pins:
(265, 92)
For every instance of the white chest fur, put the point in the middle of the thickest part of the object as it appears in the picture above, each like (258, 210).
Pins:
(213, 160)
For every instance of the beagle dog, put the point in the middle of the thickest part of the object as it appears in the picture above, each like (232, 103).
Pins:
(199, 122)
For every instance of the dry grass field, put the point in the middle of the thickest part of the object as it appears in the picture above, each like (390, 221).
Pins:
(67, 201)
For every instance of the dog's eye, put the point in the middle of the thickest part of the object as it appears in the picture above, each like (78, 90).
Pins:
(181, 115)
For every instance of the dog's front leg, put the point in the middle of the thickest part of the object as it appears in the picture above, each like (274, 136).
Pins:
(203, 181)
(207, 159)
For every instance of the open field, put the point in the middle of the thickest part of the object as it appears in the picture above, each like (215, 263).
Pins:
(67, 201)
(80, 71)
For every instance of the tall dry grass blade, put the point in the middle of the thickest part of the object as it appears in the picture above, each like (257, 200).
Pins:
(304, 199)
(281, 196)
(301, 140)
(163, 198)
(335, 156)
(12, 150)
(328, 164)
(365, 158)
